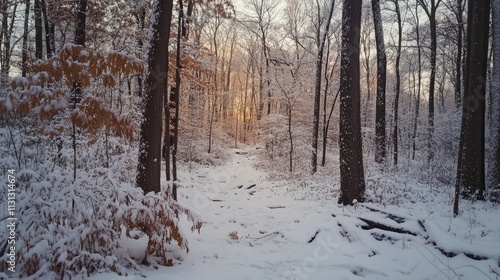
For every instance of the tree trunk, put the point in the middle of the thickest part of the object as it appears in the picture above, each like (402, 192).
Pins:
(326, 121)
(7, 30)
(141, 19)
(458, 59)
(148, 176)
(495, 100)
(49, 29)
(81, 17)
(352, 179)
(380, 147)
(24, 64)
(317, 88)
(178, 68)
(398, 84)
(38, 30)
(471, 171)
(366, 53)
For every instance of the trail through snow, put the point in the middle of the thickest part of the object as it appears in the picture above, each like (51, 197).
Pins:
(256, 229)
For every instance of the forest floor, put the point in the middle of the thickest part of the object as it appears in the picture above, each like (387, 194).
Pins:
(259, 229)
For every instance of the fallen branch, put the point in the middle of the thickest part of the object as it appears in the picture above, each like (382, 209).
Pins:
(372, 224)
(264, 236)
(314, 237)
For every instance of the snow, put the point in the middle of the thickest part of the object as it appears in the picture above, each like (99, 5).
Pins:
(275, 230)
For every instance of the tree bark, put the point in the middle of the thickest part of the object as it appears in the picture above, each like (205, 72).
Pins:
(38, 30)
(352, 179)
(471, 169)
(141, 19)
(49, 30)
(495, 100)
(148, 176)
(398, 84)
(380, 146)
(81, 18)
(24, 63)
(458, 60)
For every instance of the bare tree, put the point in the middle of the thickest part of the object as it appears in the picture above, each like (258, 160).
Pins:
(24, 63)
(148, 176)
(49, 30)
(38, 30)
(352, 179)
(457, 7)
(430, 7)
(471, 165)
(320, 44)
(398, 81)
(380, 147)
(419, 74)
(8, 18)
(262, 17)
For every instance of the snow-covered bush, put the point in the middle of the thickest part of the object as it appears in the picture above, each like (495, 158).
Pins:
(75, 177)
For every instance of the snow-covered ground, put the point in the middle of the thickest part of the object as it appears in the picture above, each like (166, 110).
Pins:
(257, 229)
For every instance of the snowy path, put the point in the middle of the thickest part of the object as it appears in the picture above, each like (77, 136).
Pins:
(275, 236)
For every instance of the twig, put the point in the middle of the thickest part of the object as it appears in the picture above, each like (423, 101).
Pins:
(264, 236)
(314, 237)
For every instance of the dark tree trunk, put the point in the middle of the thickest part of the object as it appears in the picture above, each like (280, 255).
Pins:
(81, 18)
(352, 179)
(471, 169)
(141, 19)
(167, 137)
(49, 30)
(177, 91)
(431, 14)
(495, 104)
(38, 30)
(380, 147)
(458, 60)
(187, 24)
(398, 84)
(24, 64)
(326, 120)
(317, 88)
(419, 83)
(148, 176)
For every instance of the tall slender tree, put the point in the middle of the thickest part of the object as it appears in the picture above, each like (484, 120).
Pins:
(317, 84)
(352, 179)
(457, 7)
(25, 54)
(380, 148)
(148, 176)
(49, 30)
(471, 165)
(398, 82)
(430, 7)
(38, 30)
(176, 92)
(419, 80)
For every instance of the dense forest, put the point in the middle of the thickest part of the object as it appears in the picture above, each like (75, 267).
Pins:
(125, 120)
